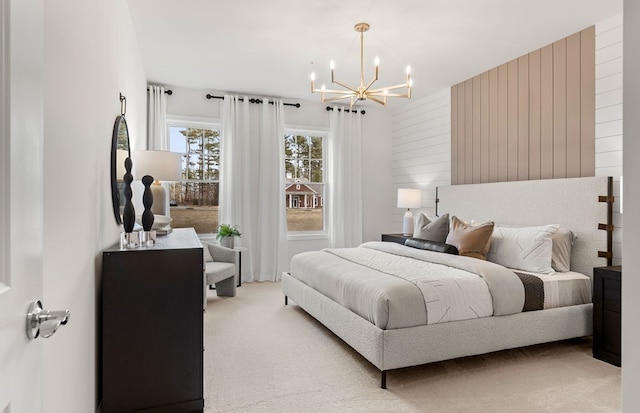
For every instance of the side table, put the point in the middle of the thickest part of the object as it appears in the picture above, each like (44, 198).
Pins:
(606, 314)
(397, 238)
(240, 250)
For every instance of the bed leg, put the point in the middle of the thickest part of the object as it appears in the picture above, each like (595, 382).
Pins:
(286, 300)
(383, 379)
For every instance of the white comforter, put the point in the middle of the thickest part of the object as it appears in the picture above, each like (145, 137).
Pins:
(394, 286)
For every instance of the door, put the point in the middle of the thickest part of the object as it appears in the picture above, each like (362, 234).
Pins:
(21, 165)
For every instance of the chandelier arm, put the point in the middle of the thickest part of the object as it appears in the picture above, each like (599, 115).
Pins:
(382, 89)
(344, 85)
(369, 85)
(336, 98)
(337, 92)
(383, 102)
(395, 95)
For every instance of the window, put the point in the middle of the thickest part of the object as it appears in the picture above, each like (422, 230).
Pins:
(194, 200)
(304, 186)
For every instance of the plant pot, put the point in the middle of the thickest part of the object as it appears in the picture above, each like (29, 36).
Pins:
(227, 242)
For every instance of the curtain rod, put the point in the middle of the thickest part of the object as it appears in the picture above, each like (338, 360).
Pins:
(362, 112)
(168, 91)
(252, 100)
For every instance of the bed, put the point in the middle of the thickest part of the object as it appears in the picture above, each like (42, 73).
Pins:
(371, 297)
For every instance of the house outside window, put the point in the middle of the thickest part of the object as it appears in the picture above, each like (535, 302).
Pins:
(305, 186)
(194, 200)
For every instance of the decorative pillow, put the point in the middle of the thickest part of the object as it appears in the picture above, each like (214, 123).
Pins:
(562, 241)
(436, 246)
(436, 230)
(526, 248)
(472, 241)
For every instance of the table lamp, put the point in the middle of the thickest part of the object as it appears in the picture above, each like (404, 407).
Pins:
(163, 166)
(408, 198)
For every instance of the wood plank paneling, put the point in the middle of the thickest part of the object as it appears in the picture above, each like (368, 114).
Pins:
(493, 125)
(546, 112)
(560, 109)
(587, 101)
(523, 118)
(503, 125)
(529, 118)
(534, 115)
(573, 106)
(512, 120)
(468, 131)
(454, 135)
(462, 161)
(476, 142)
(484, 127)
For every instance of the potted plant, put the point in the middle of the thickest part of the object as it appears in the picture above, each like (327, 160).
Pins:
(226, 233)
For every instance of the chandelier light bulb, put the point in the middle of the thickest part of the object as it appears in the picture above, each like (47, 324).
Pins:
(332, 65)
(408, 70)
(322, 87)
(313, 76)
(376, 61)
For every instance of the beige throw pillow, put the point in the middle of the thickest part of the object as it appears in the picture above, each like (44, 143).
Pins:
(436, 230)
(472, 241)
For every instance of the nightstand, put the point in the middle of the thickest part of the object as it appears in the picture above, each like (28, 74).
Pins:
(606, 314)
(397, 238)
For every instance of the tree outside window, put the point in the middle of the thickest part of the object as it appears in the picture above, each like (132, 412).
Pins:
(194, 200)
(304, 186)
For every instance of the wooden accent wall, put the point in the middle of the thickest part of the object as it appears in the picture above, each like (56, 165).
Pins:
(530, 118)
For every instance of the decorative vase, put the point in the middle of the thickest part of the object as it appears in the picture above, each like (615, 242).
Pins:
(147, 215)
(128, 213)
(227, 242)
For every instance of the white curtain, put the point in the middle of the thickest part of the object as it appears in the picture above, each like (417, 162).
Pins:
(156, 119)
(344, 179)
(252, 183)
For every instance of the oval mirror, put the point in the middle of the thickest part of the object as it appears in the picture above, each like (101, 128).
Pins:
(119, 152)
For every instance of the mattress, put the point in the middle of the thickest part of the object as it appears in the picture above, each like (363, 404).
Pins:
(394, 286)
(563, 289)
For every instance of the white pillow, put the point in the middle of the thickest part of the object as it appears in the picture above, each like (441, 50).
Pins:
(526, 248)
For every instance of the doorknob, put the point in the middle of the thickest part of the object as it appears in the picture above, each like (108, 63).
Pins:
(44, 322)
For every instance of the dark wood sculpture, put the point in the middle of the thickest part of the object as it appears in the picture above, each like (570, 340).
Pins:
(129, 213)
(147, 201)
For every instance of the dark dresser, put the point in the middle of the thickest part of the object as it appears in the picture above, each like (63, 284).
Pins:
(606, 314)
(152, 326)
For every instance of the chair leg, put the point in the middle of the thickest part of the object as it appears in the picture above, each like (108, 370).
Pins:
(226, 288)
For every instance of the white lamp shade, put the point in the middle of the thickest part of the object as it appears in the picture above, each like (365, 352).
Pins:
(409, 198)
(163, 166)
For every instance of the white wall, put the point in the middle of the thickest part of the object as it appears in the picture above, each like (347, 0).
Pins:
(192, 103)
(421, 152)
(609, 114)
(631, 244)
(421, 156)
(91, 55)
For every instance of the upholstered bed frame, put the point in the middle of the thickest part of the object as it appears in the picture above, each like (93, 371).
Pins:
(582, 205)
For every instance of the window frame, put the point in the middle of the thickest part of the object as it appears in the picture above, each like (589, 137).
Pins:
(324, 134)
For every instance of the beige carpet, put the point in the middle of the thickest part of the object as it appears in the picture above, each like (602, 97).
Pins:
(264, 357)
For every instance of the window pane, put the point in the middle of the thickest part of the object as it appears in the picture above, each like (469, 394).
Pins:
(194, 201)
(194, 204)
(304, 197)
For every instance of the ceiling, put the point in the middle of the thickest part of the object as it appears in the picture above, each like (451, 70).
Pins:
(269, 48)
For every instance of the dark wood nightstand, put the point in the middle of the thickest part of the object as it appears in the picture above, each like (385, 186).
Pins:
(397, 238)
(606, 314)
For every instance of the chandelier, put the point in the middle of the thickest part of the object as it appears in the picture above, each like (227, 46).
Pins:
(363, 91)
